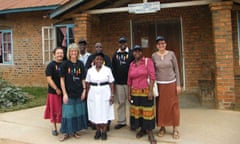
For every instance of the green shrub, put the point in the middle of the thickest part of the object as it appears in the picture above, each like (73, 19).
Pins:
(11, 96)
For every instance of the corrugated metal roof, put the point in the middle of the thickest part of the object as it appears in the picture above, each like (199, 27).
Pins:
(21, 4)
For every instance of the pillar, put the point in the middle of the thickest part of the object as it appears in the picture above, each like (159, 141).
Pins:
(222, 32)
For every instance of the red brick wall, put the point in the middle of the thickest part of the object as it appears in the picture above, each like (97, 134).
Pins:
(236, 56)
(197, 36)
(27, 69)
(225, 83)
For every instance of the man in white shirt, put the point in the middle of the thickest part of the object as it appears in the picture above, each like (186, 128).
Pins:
(83, 51)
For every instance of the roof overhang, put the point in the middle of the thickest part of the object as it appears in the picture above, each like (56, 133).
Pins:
(30, 9)
(60, 10)
(78, 6)
(236, 1)
(164, 5)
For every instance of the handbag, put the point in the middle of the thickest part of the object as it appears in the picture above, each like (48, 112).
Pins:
(155, 87)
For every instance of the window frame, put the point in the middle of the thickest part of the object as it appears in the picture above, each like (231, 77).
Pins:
(11, 42)
(238, 35)
(68, 26)
(54, 39)
(49, 40)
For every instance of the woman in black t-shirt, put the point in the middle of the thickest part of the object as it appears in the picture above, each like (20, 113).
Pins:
(53, 109)
(72, 79)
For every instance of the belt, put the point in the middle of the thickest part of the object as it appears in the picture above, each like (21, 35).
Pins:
(99, 84)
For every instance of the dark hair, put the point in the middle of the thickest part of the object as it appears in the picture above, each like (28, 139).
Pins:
(55, 49)
(99, 54)
(82, 41)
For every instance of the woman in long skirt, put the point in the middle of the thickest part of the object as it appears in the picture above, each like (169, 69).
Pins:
(142, 110)
(168, 80)
(74, 116)
(53, 109)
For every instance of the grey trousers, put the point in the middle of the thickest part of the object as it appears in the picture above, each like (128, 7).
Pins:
(121, 97)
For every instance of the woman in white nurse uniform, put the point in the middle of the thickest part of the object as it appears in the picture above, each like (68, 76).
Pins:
(100, 96)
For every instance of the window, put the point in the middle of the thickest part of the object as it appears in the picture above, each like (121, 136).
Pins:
(64, 34)
(59, 35)
(47, 43)
(6, 47)
(238, 26)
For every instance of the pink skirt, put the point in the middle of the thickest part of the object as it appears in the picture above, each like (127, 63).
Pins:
(53, 109)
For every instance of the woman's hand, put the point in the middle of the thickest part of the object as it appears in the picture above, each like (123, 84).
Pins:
(111, 100)
(150, 95)
(58, 91)
(179, 89)
(65, 99)
(130, 99)
(83, 96)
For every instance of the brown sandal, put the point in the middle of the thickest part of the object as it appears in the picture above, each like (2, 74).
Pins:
(176, 134)
(76, 135)
(152, 140)
(161, 132)
(141, 133)
(64, 137)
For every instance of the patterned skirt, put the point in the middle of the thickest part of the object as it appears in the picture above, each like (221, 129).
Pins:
(74, 117)
(53, 110)
(142, 110)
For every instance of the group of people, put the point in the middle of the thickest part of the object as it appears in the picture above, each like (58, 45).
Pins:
(82, 89)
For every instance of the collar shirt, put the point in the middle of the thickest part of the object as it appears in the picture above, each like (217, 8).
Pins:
(84, 57)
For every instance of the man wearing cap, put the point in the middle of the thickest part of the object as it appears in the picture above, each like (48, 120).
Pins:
(83, 52)
(120, 65)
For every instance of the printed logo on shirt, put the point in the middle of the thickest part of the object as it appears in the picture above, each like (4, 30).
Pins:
(122, 58)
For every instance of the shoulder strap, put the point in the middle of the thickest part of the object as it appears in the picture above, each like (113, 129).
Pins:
(146, 61)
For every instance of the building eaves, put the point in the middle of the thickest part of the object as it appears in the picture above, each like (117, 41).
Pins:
(60, 10)
(28, 9)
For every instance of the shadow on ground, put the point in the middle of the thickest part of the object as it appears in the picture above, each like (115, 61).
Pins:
(191, 100)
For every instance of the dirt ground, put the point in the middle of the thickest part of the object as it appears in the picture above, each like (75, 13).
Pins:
(8, 141)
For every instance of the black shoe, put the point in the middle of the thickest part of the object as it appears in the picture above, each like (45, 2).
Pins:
(97, 135)
(104, 136)
(118, 126)
(108, 125)
(133, 129)
(108, 128)
(93, 127)
(54, 132)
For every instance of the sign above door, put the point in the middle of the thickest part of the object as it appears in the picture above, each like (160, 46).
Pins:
(146, 7)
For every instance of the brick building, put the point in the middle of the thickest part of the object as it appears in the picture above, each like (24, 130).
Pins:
(203, 34)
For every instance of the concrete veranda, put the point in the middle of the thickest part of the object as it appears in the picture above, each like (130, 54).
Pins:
(197, 126)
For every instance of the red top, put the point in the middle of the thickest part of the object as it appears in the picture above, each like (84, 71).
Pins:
(138, 74)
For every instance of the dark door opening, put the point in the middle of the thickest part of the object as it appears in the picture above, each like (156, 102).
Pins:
(145, 32)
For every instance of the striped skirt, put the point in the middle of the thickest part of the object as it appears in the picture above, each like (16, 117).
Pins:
(74, 117)
(142, 111)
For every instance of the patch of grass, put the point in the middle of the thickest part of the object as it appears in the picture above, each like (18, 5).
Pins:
(37, 97)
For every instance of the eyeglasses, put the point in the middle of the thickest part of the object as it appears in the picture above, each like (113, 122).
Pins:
(98, 46)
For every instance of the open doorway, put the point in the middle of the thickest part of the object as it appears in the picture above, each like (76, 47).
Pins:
(144, 33)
